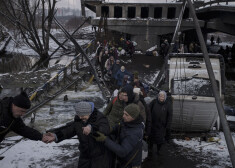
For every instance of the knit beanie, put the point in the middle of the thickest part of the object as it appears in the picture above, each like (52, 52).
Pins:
(133, 110)
(22, 101)
(84, 108)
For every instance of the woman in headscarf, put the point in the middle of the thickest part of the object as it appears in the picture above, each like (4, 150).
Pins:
(161, 113)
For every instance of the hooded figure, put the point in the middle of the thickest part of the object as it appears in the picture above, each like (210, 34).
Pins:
(161, 114)
(128, 89)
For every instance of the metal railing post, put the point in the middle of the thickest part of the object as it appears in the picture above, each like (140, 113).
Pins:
(65, 74)
(226, 129)
(71, 67)
(77, 63)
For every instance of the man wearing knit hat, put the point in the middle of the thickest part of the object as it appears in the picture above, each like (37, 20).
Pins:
(11, 109)
(129, 134)
(87, 121)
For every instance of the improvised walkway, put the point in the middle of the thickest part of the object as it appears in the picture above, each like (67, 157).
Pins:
(70, 75)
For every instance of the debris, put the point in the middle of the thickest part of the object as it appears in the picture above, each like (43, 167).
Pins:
(212, 139)
(51, 110)
(201, 146)
(66, 98)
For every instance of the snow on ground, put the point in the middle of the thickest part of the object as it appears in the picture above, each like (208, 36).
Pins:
(37, 154)
(210, 151)
(151, 78)
(21, 47)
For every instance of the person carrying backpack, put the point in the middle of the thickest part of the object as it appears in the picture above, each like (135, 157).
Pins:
(114, 110)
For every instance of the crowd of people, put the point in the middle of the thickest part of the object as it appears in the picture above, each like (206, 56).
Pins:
(228, 53)
(108, 58)
(112, 138)
(179, 47)
(116, 134)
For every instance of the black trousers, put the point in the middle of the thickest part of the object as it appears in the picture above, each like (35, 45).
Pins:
(154, 149)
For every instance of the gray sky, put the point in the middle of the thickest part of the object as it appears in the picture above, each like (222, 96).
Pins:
(74, 4)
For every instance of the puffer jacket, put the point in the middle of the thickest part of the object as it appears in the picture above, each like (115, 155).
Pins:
(128, 144)
(114, 111)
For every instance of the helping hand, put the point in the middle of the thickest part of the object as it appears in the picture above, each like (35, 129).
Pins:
(100, 137)
(48, 137)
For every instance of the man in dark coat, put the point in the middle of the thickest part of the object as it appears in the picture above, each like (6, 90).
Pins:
(161, 112)
(87, 121)
(128, 144)
(120, 75)
(115, 68)
(11, 109)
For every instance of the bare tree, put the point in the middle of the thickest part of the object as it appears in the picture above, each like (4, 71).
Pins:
(24, 15)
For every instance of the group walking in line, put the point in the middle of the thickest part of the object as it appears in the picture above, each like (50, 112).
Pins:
(108, 139)
(112, 138)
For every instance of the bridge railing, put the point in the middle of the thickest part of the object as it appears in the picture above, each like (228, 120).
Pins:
(62, 74)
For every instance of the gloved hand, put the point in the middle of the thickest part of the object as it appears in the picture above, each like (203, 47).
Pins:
(100, 137)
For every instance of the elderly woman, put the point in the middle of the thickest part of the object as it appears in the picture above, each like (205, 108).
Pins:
(86, 122)
(161, 113)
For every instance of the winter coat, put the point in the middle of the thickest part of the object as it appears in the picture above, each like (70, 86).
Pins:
(104, 58)
(115, 69)
(148, 116)
(114, 111)
(109, 64)
(128, 143)
(9, 123)
(164, 48)
(92, 154)
(120, 75)
(137, 101)
(135, 98)
(161, 120)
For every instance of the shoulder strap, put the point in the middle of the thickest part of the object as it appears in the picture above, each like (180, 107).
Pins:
(129, 161)
(114, 100)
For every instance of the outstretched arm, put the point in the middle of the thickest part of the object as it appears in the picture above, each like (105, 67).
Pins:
(20, 128)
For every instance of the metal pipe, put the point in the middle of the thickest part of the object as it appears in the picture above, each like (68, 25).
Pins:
(78, 49)
(227, 133)
(163, 69)
(177, 29)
